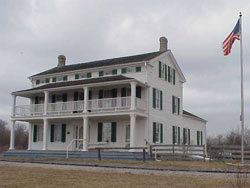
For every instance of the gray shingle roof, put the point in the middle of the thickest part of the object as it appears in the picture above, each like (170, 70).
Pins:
(78, 82)
(192, 115)
(101, 63)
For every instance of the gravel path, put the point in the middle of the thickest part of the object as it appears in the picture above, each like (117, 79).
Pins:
(115, 170)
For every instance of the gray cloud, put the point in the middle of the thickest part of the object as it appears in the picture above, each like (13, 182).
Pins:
(33, 33)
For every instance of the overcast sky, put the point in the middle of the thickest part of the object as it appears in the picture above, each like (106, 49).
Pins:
(33, 33)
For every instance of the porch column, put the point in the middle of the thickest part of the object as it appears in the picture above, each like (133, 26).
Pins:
(12, 135)
(13, 105)
(86, 98)
(133, 95)
(132, 130)
(30, 136)
(46, 100)
(45, 133)
(85, 133)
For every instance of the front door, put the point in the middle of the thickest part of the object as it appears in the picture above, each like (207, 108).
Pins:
(78, 136)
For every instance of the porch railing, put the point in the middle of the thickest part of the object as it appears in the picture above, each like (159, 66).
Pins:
(61, 107)
(29, 110)
(109, 103)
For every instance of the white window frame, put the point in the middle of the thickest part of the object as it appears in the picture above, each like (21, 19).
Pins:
(157, 132)
(157, 98)
(57, 133)
(39, 133)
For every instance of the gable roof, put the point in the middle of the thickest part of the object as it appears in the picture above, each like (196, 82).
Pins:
(192, 115)
(102, 63)
(78, 82)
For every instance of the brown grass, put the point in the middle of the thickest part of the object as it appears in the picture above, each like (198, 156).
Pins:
(26, 177)
(200, 164)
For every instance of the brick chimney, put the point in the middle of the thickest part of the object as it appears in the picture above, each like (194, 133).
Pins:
(61, 61)
(163, 43)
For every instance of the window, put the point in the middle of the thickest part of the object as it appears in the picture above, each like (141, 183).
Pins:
(106, 132)
(138, 69)
(37, 133)
(171, 75)
(54, 79)
(157, 132)
(37, 82)
(163, 70)
(157, 99)
(58, 133)
(124, 70)
(86, 75)
(65, 78)
(76, 76)
(186, 136)
(138, 92)
(199, 138)
(175, 105)
(108, 72)
(47, 80)
(176, 135)
(101, 73)
(114, 72)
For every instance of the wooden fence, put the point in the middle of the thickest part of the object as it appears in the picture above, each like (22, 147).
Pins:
(228, 152)
(178, 150)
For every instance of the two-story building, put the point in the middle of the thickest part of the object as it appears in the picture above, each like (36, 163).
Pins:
(119, 102)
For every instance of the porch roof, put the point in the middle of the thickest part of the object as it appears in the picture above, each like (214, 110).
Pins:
(186, 113)
(78, 83)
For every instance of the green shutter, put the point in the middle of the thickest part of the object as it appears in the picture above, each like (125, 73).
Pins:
(101, 73)
(173, 134)
(76, 76)
(47, 80)
(113, 132)
(188, 136)
(52, 132)
(166, 72)
(154, 132)
(54, 79)
(161, 133)
(124, 70)
(154, 98)
(35, 133)
(123, 92)
(138, 69)
(37, 82)
(99, 132)
(65, 78)
(89, 75)
(178, 106)
(169, 73)
(114, 72)
(159, 69)
(161, 100)
(173, 104)
(174, 76)
(201, 138)
(63, 138)
(198, 138)
(138, 92)
(179, 135)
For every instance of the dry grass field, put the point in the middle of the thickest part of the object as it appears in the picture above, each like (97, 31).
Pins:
(32, 176)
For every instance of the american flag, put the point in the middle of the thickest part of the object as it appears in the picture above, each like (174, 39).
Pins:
(228, 42)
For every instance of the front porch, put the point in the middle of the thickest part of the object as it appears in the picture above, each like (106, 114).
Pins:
(87, 132)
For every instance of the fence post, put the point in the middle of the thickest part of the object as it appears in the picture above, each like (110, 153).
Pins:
(173, 150)
(204, 153)
(99, 154)
(144, 154)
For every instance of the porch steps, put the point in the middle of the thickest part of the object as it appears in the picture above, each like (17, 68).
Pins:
(114, 155)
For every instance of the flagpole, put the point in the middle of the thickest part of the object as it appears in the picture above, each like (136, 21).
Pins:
(242, 94)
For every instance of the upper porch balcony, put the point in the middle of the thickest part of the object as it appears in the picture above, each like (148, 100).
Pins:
(109, 98)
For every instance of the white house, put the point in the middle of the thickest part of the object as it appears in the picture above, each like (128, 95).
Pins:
(119, 102)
